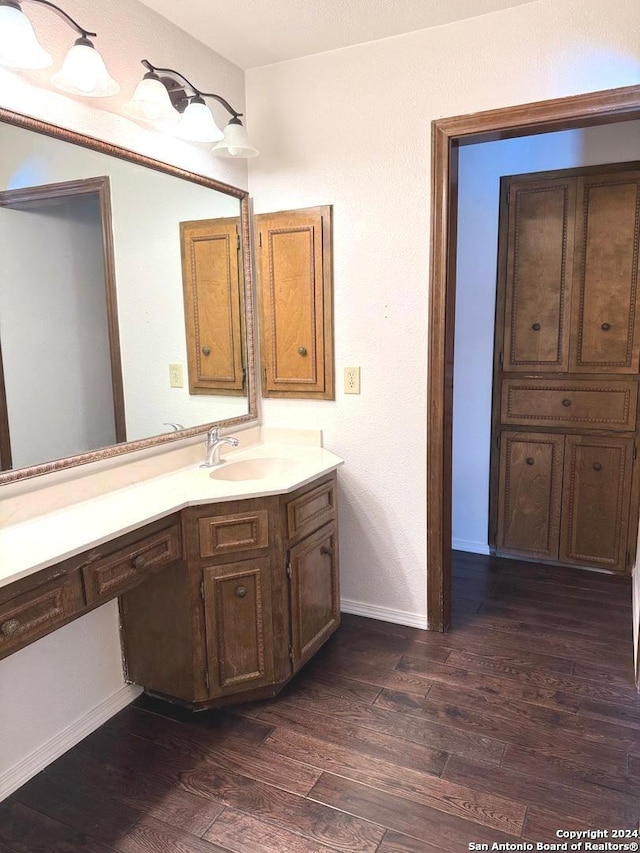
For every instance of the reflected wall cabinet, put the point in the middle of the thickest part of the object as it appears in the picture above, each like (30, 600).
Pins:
(567, 360)
(212, 282)
(295, 296)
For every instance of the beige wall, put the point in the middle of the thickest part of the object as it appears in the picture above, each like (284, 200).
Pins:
(352, 128)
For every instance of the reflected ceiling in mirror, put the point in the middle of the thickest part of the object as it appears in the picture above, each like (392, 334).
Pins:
(92, 314)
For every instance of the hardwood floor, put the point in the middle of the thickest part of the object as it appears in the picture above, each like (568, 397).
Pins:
(521, 721)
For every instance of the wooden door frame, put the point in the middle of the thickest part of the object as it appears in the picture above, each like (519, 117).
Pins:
(578, 111)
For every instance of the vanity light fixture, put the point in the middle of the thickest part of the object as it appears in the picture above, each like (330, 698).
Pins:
(165, 100)
(83, 71)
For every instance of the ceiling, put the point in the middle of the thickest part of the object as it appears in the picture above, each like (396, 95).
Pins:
(251, 33)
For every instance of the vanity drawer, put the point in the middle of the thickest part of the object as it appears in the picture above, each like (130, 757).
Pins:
(32, 614)
(578, 403)
(226, 534)
(310, 510)
(105, 577)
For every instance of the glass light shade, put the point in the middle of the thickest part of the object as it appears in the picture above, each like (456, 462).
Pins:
(84, 73)
(235, 143)
(197, 125)
(19, 47)
(151, 102)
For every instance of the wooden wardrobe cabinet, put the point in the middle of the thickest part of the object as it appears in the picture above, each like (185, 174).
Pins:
(567, 362)
(213, 306)
(255, 598)
(295, 300)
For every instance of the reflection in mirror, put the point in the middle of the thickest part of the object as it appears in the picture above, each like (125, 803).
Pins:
(92, 315)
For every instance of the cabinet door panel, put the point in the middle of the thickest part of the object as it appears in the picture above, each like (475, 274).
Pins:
(605, 274)
(315, 595)
(540, 242)
(529, 494)
(239, 629)
(595, 500)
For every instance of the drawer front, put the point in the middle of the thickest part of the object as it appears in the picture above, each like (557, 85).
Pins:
(576, 403)
(309, 511)
(242, 531)
(108, 576)
(35, 613)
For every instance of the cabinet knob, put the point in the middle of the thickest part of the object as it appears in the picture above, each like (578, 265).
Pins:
(326, 551)
(241, 591)
(597, 466)
(139, 562)
(206, 350)
(536, 327)
(566, 403)
(10, 628)
(302, 350)
(605, 327)
(530, 460)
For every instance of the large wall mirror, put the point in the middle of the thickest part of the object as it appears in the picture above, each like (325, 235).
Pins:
(93, 348)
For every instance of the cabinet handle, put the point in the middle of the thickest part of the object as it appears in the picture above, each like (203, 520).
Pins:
(530, 460)
(566, 403)
(326, 551)
(10, 628)
(302, 350)
(536, 327)
(206, 350)
(605, 327)
(241, 591)
(597, 466)
(139, 562)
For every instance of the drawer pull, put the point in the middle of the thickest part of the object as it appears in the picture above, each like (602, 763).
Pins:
(597, 466)
(605, 327)
(326, 551)
(241, 591)
(10, 628)
(536, 327)
(139, 562)
(302, 350)
(566, 403)
(206, 350)
(529, 460)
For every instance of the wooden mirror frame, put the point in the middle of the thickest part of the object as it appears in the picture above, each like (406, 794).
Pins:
(578, 111)
(47, 129)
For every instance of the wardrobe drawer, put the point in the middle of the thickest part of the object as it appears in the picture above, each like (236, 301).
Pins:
(32, 614)
(310, 510)
(577, 403)
(105, 577)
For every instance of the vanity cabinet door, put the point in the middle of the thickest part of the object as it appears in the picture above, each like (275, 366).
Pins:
(238, 615)
(213, 306)
(314, 591)
(295, 301)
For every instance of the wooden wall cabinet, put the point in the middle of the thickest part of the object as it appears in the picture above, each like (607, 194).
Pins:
(257, 596)
(567, 366)
(295, 297)
(212, 286)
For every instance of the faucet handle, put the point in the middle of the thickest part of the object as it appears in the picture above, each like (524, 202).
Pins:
(213, 435)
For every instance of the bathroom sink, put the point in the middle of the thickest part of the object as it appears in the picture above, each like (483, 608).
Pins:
(254, 469)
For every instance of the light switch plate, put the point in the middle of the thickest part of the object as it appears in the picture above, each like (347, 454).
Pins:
(352, 380)
(176, 379)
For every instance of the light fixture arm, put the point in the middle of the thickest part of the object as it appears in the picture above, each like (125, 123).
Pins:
(76, 26)
(197, 92)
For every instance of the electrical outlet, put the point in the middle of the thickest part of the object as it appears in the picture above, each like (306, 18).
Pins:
(175, 376)
(352, 380)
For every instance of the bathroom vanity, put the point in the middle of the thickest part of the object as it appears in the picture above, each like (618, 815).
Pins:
(222, 598)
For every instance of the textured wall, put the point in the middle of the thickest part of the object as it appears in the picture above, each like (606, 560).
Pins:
(352, 128)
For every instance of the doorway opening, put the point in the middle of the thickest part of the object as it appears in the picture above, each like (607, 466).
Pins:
(448, 136)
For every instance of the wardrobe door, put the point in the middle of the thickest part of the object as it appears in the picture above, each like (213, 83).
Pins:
(595, 501)
(529, 494)
(605, 335)
(539, 247)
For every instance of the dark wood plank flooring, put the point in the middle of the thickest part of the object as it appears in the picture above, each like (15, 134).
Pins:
(520, 721)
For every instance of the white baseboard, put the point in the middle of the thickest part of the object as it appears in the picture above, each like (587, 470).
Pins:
(41, 757)
(385, 614)
(471, 546)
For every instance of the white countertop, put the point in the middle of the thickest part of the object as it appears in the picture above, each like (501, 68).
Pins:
(37, 543)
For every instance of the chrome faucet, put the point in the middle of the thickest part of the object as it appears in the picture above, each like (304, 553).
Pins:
(214, 443)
